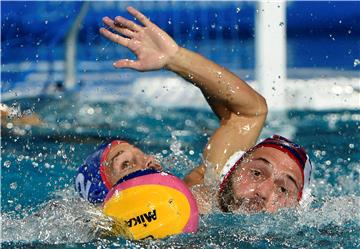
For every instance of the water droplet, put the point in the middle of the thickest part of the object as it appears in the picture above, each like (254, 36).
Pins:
(238, 10)
(46, 21)
(351, 146)
(7, 164)
(191, 152)
(13, 185)
(356, 62)
(175, 147)
(90, 111)
(20, 158)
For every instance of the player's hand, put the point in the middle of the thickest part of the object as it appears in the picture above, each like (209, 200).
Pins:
(152, 46)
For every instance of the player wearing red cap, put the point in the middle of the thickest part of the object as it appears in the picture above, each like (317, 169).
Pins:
(249, 177)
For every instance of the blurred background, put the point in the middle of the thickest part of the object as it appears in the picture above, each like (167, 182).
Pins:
(322, 42)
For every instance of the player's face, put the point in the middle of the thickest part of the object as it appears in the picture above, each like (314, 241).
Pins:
(265, 181)
(124, 159)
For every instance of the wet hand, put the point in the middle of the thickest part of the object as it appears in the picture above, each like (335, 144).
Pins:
(152, 46)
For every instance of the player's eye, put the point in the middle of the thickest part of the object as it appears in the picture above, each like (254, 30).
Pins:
(256, 174)
(283, 190)
(126, 164)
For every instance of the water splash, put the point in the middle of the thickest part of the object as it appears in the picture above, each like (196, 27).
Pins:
(329, 221)
(64, 219)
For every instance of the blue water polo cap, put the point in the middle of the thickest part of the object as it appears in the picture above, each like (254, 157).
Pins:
(91, 182)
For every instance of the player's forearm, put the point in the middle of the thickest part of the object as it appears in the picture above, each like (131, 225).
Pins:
(224, 91)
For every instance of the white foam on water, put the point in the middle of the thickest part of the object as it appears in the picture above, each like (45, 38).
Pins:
(334, 211)
(67, 219)
(174, 92)
(64, 219)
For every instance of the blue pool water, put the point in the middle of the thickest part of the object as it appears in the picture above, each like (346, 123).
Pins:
(39, 208)
(38, 166)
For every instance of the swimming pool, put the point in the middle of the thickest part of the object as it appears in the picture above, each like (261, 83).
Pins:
(169, 119)
(38, 166)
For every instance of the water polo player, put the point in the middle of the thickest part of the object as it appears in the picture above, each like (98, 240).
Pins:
(12, 115)
(108, 164)
(250, 177)
(144, 201)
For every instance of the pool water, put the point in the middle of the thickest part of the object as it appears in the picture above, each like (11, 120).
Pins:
(40, 208)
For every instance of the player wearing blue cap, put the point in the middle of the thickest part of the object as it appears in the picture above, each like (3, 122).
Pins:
(110, 162)
(264, 177)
